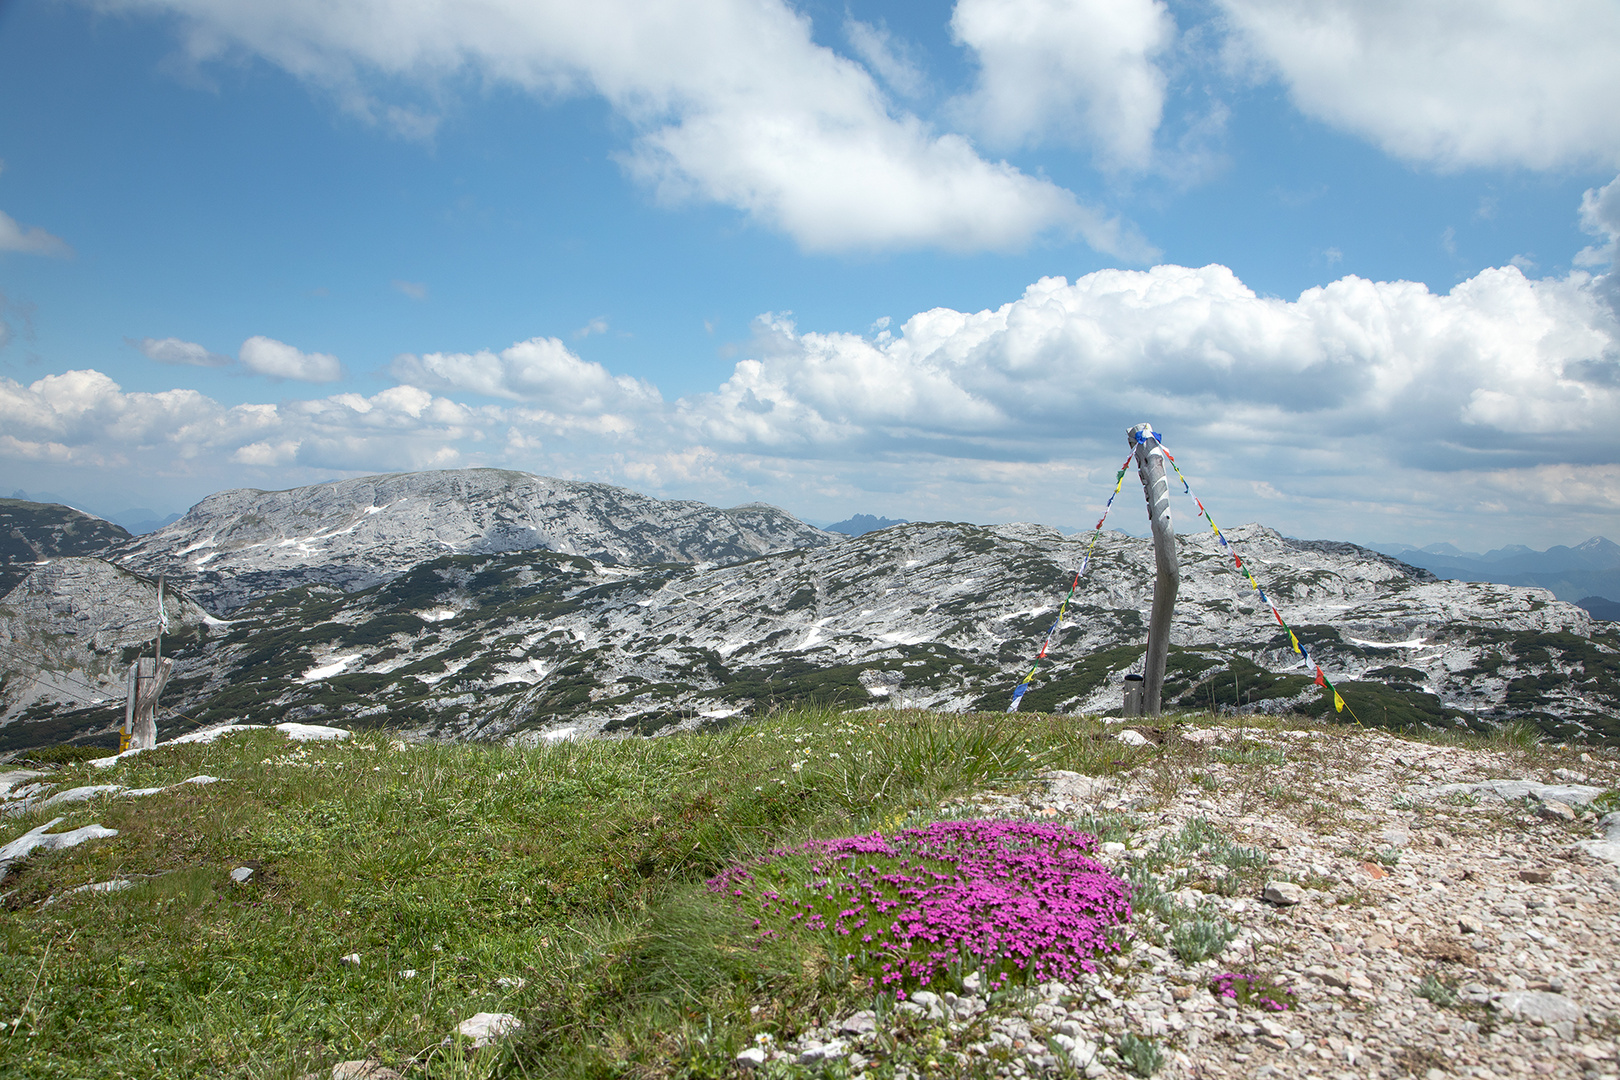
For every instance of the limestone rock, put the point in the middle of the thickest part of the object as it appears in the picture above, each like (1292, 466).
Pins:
(36, 838)
(1554, 810)
(485, 1028)
(363, 1070)
(1570, 794)
(1537, 1006)
(1284, 893)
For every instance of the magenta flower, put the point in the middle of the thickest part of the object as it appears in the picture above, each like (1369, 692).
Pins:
(1013, 898)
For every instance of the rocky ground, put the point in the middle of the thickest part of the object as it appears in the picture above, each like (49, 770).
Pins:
(1416, 919)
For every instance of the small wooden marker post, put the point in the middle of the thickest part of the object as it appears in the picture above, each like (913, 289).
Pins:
(147, 677)
(1150, 462)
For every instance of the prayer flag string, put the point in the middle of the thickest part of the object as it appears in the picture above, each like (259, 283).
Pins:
(1085, 563)
(1321, 679)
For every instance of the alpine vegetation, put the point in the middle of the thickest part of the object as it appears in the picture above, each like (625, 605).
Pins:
(1014, 901)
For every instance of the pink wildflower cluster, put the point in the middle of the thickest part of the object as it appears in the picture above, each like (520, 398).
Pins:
(1006, 897)
(1251, 990)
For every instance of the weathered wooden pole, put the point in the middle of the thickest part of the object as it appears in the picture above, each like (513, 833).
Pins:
(147, 676)
(1150, 466)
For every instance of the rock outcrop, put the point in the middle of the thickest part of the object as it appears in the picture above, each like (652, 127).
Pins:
(941, 615)
(484, 604)
(32, 533)
(237, 546)
(66, 630)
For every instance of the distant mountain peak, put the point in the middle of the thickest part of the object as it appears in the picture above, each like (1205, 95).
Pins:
(235, 546)
(861, 524)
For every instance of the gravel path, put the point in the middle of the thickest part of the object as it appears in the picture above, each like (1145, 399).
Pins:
(1425, 921)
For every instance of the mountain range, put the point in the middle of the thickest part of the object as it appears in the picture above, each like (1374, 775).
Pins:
(861, 524)
(488, 604)
(1587, 574)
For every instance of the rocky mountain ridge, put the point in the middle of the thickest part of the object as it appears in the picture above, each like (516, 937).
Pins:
(31, 533)
(236, 546)
(497, 621)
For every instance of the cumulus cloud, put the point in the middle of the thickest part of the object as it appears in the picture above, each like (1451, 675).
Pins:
(1501, 367)
(885, 57)
(267, 356)
(1081, 71)
(30, 241)
(1359, 401)
(732, 101)
(84, 418)
(172, 350)
(1600, 216)
(1515, 83)
(540, 370)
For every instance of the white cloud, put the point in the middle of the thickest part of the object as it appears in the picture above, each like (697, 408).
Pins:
(540, 370)
(1360, 409)
(30, 241)
(1600, 216)
(82, 419)
(884, 57)
(267, 356)
(1489, 368)
(416, 290)
(1080, 71)
(1452, 83)
(598, 325)
(732, 102)
(171, 350)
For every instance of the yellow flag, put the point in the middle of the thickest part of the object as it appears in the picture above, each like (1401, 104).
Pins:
(1294, 640)
(1338, 702)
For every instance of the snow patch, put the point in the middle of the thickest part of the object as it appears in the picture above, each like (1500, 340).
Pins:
(1415, 643)
(443, 614)
(327, 670)
(312, 732)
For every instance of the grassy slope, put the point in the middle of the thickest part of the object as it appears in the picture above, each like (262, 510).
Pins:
(576, 868)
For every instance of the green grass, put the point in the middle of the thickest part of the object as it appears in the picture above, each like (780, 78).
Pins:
(573, 871)
(563, 884)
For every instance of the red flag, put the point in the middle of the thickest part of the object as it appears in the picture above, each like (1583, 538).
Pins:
(1320, 680)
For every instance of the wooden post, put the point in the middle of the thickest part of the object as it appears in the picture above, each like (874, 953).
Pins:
(129, 708)
(147, 677)
(1150, 466)
(150, 675)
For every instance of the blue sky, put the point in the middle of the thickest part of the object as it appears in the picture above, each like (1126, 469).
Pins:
(1352, 260)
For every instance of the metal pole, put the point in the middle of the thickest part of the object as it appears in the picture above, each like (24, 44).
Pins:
(1150, 466)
